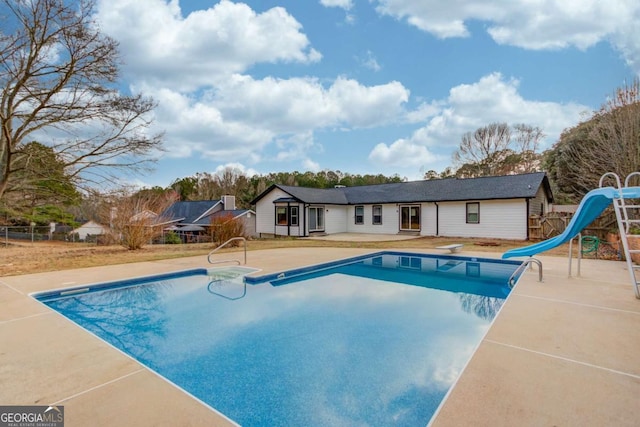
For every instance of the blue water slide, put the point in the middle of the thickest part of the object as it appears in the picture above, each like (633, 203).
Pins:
(591, 206)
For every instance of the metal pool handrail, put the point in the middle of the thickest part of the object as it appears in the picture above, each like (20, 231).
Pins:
(522, 267)
(223, 245)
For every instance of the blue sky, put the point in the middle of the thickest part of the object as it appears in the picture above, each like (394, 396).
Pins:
(362, 86)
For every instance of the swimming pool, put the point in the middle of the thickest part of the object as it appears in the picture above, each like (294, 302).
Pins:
(375, 340)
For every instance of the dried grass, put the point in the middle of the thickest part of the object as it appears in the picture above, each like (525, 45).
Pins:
(25, 257)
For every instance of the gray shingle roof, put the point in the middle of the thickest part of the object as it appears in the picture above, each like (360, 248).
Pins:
(437, 190)
(188, 211)
(332, 196)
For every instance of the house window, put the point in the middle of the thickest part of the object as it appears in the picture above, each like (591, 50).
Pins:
(359, 214)
(473, 213)
(281, 215)
(377, 214)
(287, 215)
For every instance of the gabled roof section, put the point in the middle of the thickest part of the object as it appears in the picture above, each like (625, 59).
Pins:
(233, 214)
(333, 196)
(436, 190)
(189, 212)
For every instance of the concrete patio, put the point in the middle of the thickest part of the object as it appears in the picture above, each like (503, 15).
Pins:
(561, 352)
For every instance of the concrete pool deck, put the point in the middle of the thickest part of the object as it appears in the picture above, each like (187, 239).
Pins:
(562, 352)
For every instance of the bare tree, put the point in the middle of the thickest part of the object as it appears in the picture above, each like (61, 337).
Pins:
(527, 143)
(135, 218)
(498, 149)
(231, 181)
(616, 134)
(484, 148)
(58, 76)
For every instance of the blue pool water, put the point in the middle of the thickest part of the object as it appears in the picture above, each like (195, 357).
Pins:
(370, 341)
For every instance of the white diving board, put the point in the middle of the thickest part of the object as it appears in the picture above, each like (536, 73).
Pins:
(454, 248)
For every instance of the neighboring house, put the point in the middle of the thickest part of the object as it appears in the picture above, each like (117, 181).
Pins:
(90, 228)
(192, 218)
(487, 207)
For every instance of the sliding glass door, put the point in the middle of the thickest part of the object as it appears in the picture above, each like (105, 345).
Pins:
(410, 218)
(316, 218)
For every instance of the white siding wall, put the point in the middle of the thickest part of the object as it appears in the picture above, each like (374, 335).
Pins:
(390, 224)
(88, 228)
(335, 218)
(428, 220)
(500, 219)
(266, 216)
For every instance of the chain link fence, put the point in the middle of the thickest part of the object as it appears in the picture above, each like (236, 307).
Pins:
(34, 234)
(65, 234)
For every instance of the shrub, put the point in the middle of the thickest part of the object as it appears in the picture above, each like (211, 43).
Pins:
(224, 227)
(133, 218)
(172, 238)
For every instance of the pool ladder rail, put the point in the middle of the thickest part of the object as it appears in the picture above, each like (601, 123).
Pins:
(233, 239)
(626, 223)
(522, 267)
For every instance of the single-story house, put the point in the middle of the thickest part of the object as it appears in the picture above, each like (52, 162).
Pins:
(192, 218)
(89, 228)
(486, 207)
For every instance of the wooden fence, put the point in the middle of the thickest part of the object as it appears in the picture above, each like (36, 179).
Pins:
(554, 223)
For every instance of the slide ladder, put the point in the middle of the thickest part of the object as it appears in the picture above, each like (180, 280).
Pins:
(628, 217)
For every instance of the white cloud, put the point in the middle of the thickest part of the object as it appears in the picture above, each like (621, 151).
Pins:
(627, 39)
(369, 61)
(468, 107)
(249, 172)
(242, 116)
(423, 112)
(494, 99)
(294, 147)
(528, 24)
(403, 152)
(300, 104)
(164, 46)
(195, 126)
(310, 165)
(365, 106)
(344, 4)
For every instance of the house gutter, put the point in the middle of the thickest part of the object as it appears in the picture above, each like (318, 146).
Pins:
(526, 217)
(289, 219)
(437, 219)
